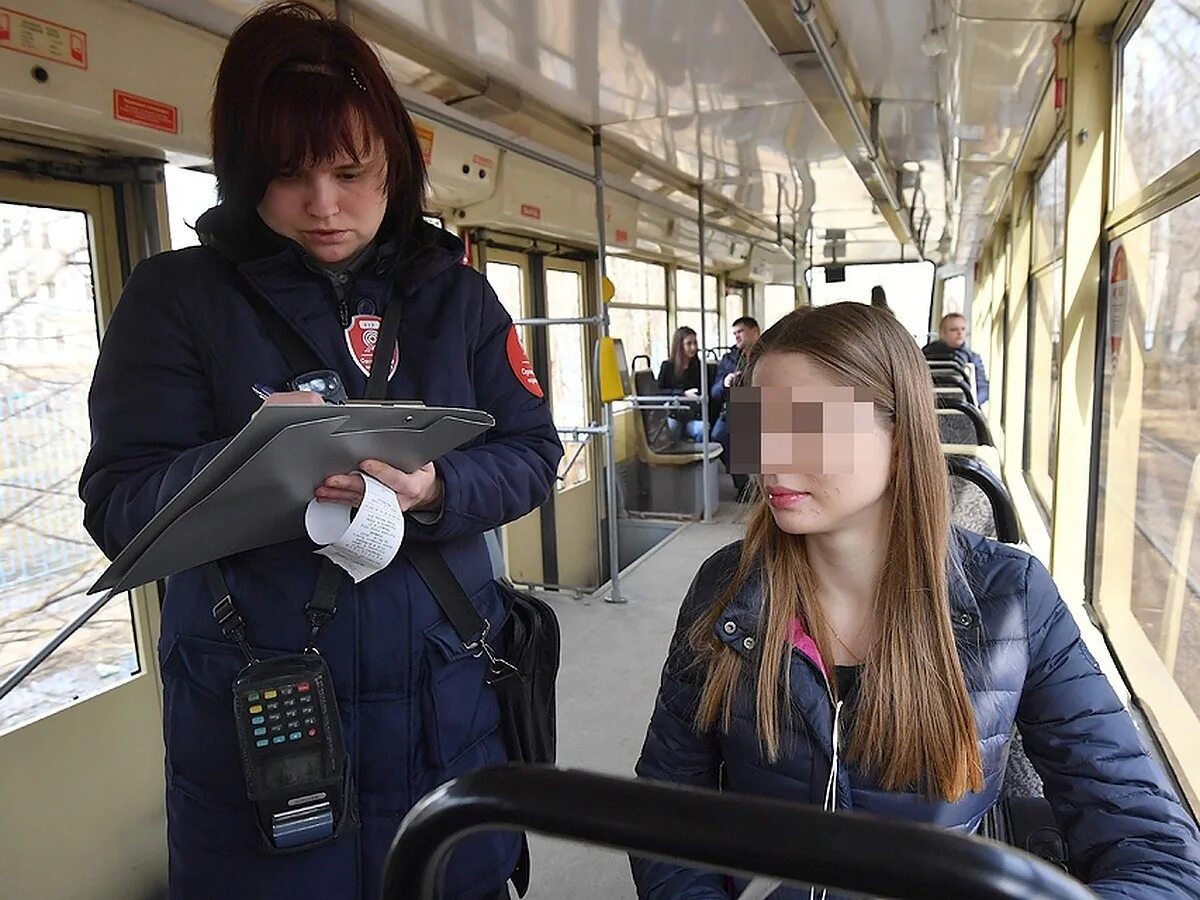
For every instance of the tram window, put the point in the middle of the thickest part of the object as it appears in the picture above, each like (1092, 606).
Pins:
(1147, 563)
(568, 379)
(189, 194)
(735, 308)
(954, 295)
(687, 306)
(638, 313)
(1159, 118)
(1043, 388)
(508, 281)
(48, 350)
(778, 301)
(908, 286)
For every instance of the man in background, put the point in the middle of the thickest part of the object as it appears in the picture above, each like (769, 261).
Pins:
(745, 333)
(952, 344)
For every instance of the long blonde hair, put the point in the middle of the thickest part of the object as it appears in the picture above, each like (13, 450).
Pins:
(914, 727)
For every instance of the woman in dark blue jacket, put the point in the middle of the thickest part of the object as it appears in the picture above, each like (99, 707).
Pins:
(321, 180)
(855, 652)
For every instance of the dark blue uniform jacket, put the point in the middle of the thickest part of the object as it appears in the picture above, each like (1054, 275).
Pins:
(172, 385)
(1024, 663)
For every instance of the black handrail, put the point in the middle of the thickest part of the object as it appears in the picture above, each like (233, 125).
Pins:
(983, 434)
(947, 378)
(726, 832)
(1008, 530)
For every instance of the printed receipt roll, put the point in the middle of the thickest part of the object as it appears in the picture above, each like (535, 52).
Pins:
(368, 542)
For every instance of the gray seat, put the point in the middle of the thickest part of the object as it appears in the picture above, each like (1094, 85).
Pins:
(970, 507)
(956, 428)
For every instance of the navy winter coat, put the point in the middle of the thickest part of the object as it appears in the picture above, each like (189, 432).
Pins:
(172, 385)
(1024, 663)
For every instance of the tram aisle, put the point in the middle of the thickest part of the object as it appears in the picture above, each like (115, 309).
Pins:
(612, 657)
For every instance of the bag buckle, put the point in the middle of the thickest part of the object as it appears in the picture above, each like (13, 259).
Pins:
(499, 668)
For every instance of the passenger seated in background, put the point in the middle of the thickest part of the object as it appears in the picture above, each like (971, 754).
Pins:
(681, 375)
(745, 333)
(952, 344)
(856, 652)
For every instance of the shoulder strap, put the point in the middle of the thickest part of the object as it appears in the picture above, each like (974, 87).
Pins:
(453, 600)
(299, 356)
(381, 363)
(472, 629)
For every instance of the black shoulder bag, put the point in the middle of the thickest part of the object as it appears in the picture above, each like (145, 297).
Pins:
(524, 677)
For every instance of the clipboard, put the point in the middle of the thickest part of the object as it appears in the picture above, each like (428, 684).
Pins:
(254, 492)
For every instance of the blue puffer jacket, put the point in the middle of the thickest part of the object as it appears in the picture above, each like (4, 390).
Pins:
(1024, 663)
(172, 385)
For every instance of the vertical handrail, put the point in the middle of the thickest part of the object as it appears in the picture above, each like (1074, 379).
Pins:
(610, 442)
(704, 386)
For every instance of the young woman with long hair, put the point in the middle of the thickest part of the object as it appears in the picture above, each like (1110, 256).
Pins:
(681, 375)
(855, 651)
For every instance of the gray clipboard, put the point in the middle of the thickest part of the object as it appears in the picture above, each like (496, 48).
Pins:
(254, 492)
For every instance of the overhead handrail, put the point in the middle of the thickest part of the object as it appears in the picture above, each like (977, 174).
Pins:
(1008, 529)
(749, 836)
(983, 434)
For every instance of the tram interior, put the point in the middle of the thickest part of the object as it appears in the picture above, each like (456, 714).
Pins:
(1030, 164)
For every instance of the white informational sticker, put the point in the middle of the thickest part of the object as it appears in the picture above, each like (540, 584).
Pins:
(367, 543)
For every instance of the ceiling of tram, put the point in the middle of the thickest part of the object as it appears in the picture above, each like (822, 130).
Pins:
(956, 82)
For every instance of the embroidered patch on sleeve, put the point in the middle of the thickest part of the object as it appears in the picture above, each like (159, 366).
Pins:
(521, 365)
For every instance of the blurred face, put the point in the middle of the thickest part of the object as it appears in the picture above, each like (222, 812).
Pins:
(744, 337)
(824, 459)
(690, 346)
(332, 209)
(954, 332)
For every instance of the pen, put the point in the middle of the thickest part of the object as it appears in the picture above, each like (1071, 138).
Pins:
(262, 391)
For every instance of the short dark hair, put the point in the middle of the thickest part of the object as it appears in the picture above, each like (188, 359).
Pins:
(748, 321)
(295, 87)
(948, 316)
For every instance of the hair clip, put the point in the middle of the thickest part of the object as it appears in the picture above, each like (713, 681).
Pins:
(354, 77)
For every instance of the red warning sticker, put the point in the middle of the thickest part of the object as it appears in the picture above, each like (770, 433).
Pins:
(361, 337)
(521, 365)
(144, 111)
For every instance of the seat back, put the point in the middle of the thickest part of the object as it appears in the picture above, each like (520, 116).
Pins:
(980, 502)
(944, 378)
(956, 428)
(653, 418)
(981, 435)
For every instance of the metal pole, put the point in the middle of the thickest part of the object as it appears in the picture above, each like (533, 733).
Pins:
(795, 270)
(610, 440)
(704, 461)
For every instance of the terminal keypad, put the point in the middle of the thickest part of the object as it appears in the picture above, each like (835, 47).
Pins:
(284, 715)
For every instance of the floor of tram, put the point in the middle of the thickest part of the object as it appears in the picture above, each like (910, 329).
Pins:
(612, 657)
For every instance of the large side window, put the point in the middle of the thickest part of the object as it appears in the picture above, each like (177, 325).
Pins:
(778, 301)
(638, 312)
(687, 306)
(1045, 327)
(1146, 575)
(48, 350)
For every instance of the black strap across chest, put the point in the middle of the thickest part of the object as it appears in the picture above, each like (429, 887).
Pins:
(300, 358)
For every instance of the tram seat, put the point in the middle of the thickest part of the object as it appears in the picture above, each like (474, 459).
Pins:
(956, 428)
(954, 392)
(966, 370)
(979, 501)
(961, 423)
(671, 478)
(952, 379)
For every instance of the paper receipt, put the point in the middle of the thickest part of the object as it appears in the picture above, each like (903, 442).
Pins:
(362, 545)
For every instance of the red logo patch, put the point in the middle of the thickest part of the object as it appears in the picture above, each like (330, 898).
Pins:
(361, 338)
(521, 365)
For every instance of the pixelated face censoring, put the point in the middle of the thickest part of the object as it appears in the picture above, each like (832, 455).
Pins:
(803, 430)
(822, 454)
